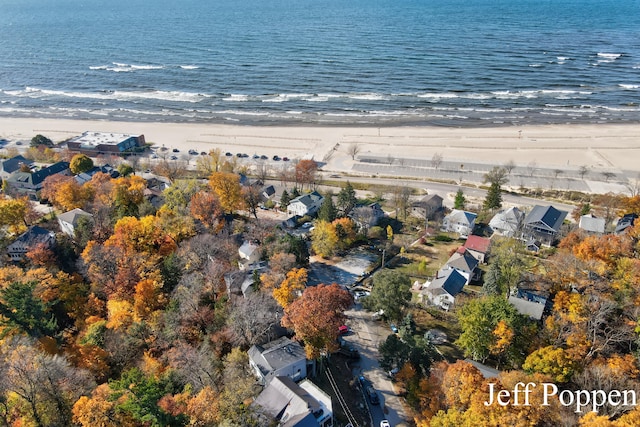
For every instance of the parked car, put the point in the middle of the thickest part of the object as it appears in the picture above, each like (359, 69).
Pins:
(285, 159)
(175, 150)
(307, 225)
(392, 373)
(203, 153)
(255, 156)
(372, 395)
(349, 352)
(228, 154)
(263, 157)
(385, 423)
(174, 158)
(193, 152)
(394, 328)
(343, 329)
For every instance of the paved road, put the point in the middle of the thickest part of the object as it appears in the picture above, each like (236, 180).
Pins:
(366, 336)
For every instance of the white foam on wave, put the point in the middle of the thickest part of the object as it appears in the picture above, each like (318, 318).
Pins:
(284, 97)
(367, 96)
(31, 92)
(628, 86)
(436, 96)
(120, 67)
(608, 57)
(189, 67)
(537, 65)
(236, 98)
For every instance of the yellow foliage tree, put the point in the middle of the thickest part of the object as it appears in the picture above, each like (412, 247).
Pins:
(551, 361)
(148, 298)
(12, 215)
(324, 239)
(226, 186)
(291, 286)
(120, 314)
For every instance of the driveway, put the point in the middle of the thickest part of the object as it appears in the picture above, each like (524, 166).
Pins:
(366, 336)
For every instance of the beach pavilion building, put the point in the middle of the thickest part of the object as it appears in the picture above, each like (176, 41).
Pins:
(95, 143)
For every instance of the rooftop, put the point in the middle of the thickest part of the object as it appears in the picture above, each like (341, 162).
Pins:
(93, 139)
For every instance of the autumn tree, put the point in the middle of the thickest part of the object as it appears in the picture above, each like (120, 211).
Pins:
(226, 186)
(391, 293)
(65, 192)
(47, 385)
(206, 208)
(210, 163)
(80, 163)
(316, 316)
(252, 198)
(13, 215)
(306, 172)
(291, 287)
(324, 239)
(252, 319)
(492, 326)
(179, 194)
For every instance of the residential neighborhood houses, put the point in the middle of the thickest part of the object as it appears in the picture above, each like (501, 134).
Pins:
(180, 260)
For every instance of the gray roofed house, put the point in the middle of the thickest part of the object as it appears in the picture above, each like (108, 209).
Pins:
(507, 222)
(268, 192)
(466, 264)
(543, 224)
(527, 308)
(282, 357)
(485, 370)
(625, 222)
(461, 222)
(9, 166)
(427, 206)
(296, 405)
(26, 241)
(29, 183)
(69, 220)
(307, 204)
(442, 290)
(591, 224)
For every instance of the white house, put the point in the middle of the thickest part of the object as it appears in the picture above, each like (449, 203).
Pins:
(295, 405)
(249, 254)
(461, 222)
(507, 222)
(307, 204)
(281, 357)
(69, 220)
(442, 290)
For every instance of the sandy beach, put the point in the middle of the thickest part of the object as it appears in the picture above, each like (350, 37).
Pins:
(601, 147)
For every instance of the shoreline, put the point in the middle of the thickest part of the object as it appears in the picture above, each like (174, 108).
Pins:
(601, 147)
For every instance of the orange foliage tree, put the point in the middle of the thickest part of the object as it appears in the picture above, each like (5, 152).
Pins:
(226, 186)
(316, 316)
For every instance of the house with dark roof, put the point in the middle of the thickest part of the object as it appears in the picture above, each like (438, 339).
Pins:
(307, 204)
(427, 207)
(69, 220)
(366, 216)
(14, 164)
(282, 357)
(442, 290)
(461, 222)
(591, 224)
(29, 183)
(478, 247)
(625, 222)
(295, 405)
(95, 143)
(83, 177)
(507, 222)
(268, 192)
(465, 263)
(543, 224)
(28, 240)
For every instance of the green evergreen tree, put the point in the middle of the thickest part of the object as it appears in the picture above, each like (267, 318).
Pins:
(346, 199)
(494, 197)
(284, 200)
(41, 140)
(21, 310)
(491, 285)
(328, 210)
(295, 193)
(460, 201)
